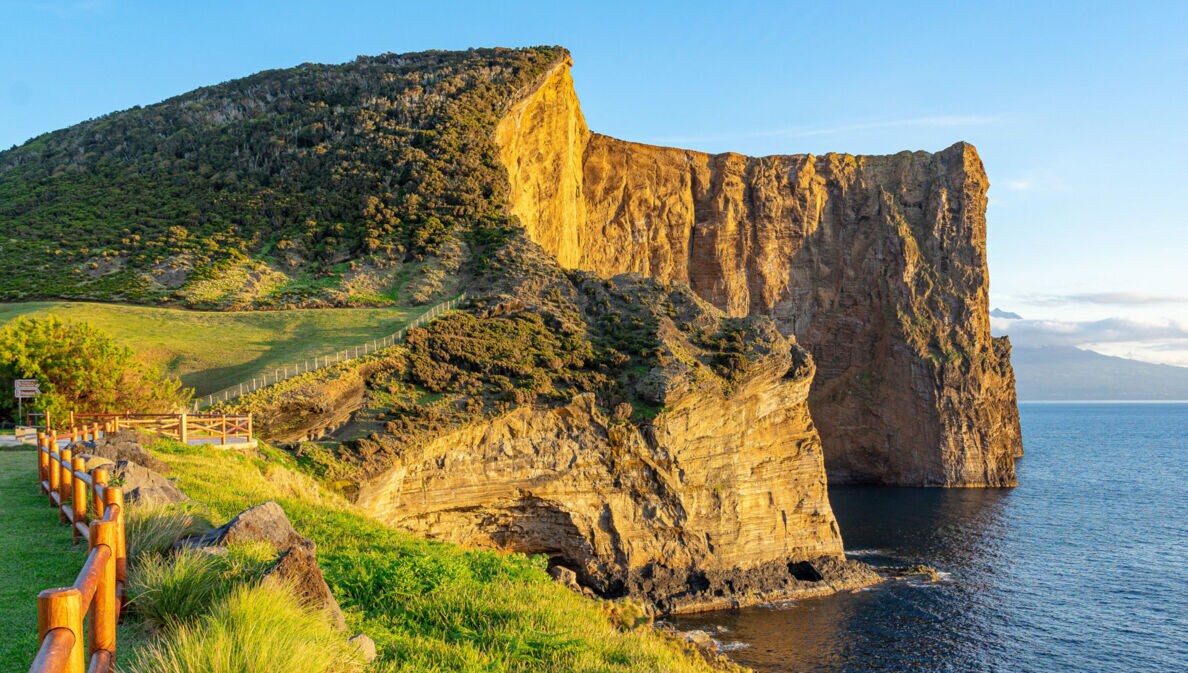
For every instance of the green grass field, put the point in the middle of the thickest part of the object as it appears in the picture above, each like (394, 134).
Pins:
(210, 350)
(35, 553)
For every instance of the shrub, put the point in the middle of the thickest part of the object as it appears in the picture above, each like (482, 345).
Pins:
(255, 628)
(81, 369)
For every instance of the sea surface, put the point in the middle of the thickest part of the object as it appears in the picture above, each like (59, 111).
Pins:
(1083, 567)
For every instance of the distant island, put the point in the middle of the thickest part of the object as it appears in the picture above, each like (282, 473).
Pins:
(1063, 373)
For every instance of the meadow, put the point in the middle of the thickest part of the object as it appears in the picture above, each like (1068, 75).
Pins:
(210, 350)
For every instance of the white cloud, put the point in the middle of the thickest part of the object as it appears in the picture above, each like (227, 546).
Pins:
(1158, 341)
(1104, 298)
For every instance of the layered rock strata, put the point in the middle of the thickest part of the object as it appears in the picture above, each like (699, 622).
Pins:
(877, 264)
(720, 502)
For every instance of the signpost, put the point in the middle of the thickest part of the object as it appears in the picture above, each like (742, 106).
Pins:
(24, 389)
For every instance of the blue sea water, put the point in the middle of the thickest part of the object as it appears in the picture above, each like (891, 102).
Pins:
(1083, 567)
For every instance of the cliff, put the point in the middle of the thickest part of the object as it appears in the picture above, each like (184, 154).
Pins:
(877, 264)
(719, 500)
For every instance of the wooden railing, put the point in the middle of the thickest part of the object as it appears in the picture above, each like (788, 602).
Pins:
(95, 512)
(225, 428)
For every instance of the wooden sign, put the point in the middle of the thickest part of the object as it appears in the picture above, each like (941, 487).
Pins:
(26, 389)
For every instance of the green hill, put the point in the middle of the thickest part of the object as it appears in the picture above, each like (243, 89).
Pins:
(321, 185)
(210, 350)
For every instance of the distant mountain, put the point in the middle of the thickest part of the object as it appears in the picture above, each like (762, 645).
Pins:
(1066, 373)
(1006, 315)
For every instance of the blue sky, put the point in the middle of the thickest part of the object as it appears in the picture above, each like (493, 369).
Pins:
(1079, 109)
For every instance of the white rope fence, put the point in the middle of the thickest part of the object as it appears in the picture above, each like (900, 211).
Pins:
(278, 374)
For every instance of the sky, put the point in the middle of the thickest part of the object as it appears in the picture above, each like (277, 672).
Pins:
(1078, 109)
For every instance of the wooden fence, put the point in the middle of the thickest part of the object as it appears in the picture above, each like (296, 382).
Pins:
(95, 512)
(203, 428)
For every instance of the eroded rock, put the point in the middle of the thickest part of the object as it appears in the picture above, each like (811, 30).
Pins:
(877, 264)
(298, 569)
(144, 487)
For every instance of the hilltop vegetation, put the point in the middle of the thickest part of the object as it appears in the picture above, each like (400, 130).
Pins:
(356, 184)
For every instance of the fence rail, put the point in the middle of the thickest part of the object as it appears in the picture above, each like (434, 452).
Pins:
(278, 374)
(186, 428)
(95, 512)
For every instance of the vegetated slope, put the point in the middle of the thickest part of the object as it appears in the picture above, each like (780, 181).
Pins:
(210, 350)
(1066, 373)
(353, 184)
(432, 606)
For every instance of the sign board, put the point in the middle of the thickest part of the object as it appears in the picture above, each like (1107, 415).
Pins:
(26, 389)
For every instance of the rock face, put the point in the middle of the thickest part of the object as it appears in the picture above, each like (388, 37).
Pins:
(716, 503)
(877, 264)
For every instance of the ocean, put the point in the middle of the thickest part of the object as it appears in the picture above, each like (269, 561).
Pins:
(1083, 567)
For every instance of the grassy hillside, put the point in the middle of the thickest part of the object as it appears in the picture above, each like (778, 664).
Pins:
(431, 606)
(211, 350)
(363, 183)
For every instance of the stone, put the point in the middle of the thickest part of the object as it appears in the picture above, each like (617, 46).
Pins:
(365, 646)
(265, 523)
(565, 577)
(297, 568)
(126, 445)
(144, 487)
(876, 264)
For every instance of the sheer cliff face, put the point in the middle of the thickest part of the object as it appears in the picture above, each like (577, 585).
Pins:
(876, 264)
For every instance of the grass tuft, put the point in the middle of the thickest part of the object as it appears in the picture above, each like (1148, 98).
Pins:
(170, 590)
(153, 530)
(255, 628)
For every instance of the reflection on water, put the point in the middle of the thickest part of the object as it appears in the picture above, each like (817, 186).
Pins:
(1082, 568)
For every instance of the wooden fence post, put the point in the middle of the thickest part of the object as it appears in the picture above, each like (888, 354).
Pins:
(99, 482)
(60, 611)
(182, 434)
(65, 483)
(42, 460)
(78, 498)
(223, 441)
(249, 427)
(55, 473)
(104, 615)
(114, 496)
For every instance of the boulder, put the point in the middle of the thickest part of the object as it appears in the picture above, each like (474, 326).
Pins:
(144, 487)
(298, 569)
(365, 646)
(125, 445)
(565, 577)
(263, 523)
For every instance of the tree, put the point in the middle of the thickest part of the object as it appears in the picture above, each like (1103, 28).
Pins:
(82, 370)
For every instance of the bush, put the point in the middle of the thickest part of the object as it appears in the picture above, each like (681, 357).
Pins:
(81, 369)
(255, 628)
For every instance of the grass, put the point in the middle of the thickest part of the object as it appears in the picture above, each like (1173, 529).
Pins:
(36, 553)
(255, 628)
(210, 350)
(430, 606)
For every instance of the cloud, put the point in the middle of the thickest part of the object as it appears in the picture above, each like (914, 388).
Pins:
(1105, 298)
(1090, 332)
(938, 121)
(1018, 185)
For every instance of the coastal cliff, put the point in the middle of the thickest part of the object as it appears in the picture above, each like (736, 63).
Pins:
(877, 265)
(719, 500)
